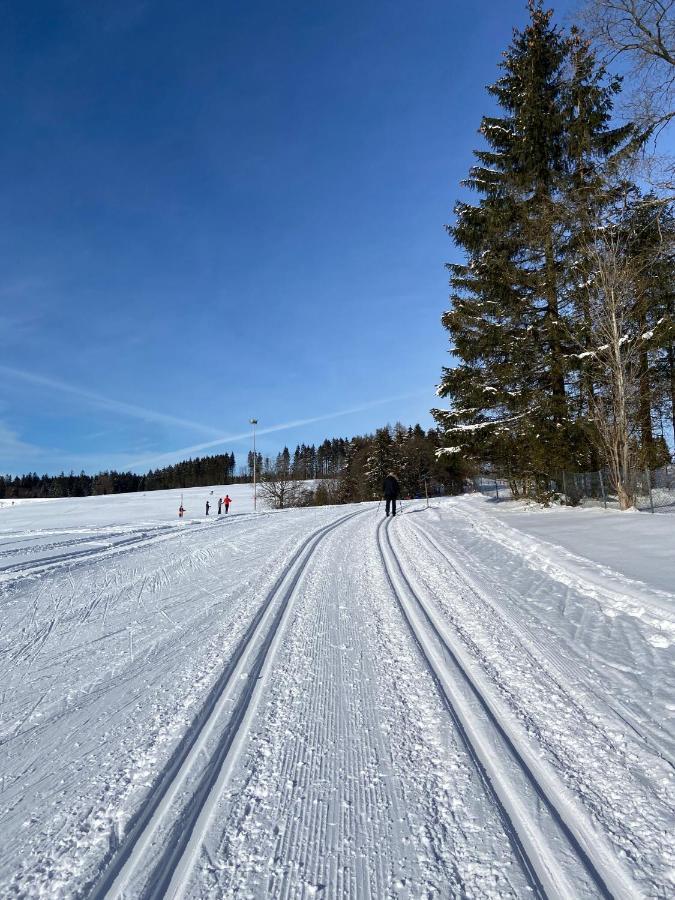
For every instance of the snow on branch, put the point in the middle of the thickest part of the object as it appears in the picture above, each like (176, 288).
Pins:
(623, 339)
(492, 423)
(453, 413)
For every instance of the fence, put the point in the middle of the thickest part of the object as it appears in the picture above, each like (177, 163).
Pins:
(653, 490)
(492, 486)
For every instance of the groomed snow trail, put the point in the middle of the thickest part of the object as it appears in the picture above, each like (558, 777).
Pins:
(158, 849)
(556, 839)
(555, 661)
(355, 782)
(104, 667)
(325, 703)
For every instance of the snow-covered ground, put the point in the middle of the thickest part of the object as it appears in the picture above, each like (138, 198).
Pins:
(636, 544)
(34, 530)
(470, 700)
(122, 509)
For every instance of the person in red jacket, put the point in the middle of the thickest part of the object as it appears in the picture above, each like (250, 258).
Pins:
(227, 501)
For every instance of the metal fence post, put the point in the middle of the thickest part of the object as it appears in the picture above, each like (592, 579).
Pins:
(602, 488)
(649, 488)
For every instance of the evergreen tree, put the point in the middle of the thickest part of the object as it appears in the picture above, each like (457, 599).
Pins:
(651, 244)
(353, 470)
(380, 460)
(352, 477)
(512, 307)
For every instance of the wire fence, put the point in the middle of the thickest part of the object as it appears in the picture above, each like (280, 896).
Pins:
(652, 490)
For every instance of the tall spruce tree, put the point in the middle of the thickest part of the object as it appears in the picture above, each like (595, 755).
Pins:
(380, 459)
(595, 182)
(662, 316)
(512, 308)
(649, 242)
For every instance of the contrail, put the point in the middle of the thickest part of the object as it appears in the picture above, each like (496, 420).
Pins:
(296, 423)
(126, 409)
(150, 415)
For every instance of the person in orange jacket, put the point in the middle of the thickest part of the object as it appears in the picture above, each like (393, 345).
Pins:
(227, 501)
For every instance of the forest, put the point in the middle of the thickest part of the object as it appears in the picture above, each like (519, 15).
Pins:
(350, 469)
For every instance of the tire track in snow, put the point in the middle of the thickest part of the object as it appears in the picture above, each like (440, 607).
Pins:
(546, 821)
(166, 838)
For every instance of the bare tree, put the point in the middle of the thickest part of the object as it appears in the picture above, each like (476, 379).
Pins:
(642, 32)
(614, 401)
(619, 269)
(278, 489)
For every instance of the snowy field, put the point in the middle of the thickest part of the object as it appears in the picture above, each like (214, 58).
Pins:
(471, 700)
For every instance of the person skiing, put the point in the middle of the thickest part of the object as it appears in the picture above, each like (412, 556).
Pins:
(208, 507)
(181, 510)
(227, 501)
(220, 504)
(391, 490)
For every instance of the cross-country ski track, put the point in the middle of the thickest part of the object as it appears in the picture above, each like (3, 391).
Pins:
(324, 702)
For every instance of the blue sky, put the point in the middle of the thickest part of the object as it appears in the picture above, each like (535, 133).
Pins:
(214, 210)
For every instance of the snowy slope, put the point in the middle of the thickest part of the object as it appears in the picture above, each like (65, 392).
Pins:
(33, 529)
(321, 702)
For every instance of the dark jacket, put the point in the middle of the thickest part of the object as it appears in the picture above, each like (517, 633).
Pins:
(391, 488)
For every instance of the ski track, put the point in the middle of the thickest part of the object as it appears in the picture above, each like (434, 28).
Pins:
(117, 721)
(621, 656)
(545, 654)
(612, 592)
(619, 773)
(103, 542)
(324, 703)
(354, 783)
(554, 835)
(175, 823)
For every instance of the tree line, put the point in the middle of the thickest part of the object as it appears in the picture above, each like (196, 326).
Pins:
(307, 460)
(343, 469)
(198, 472)
(351, 471)
(561, 317)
